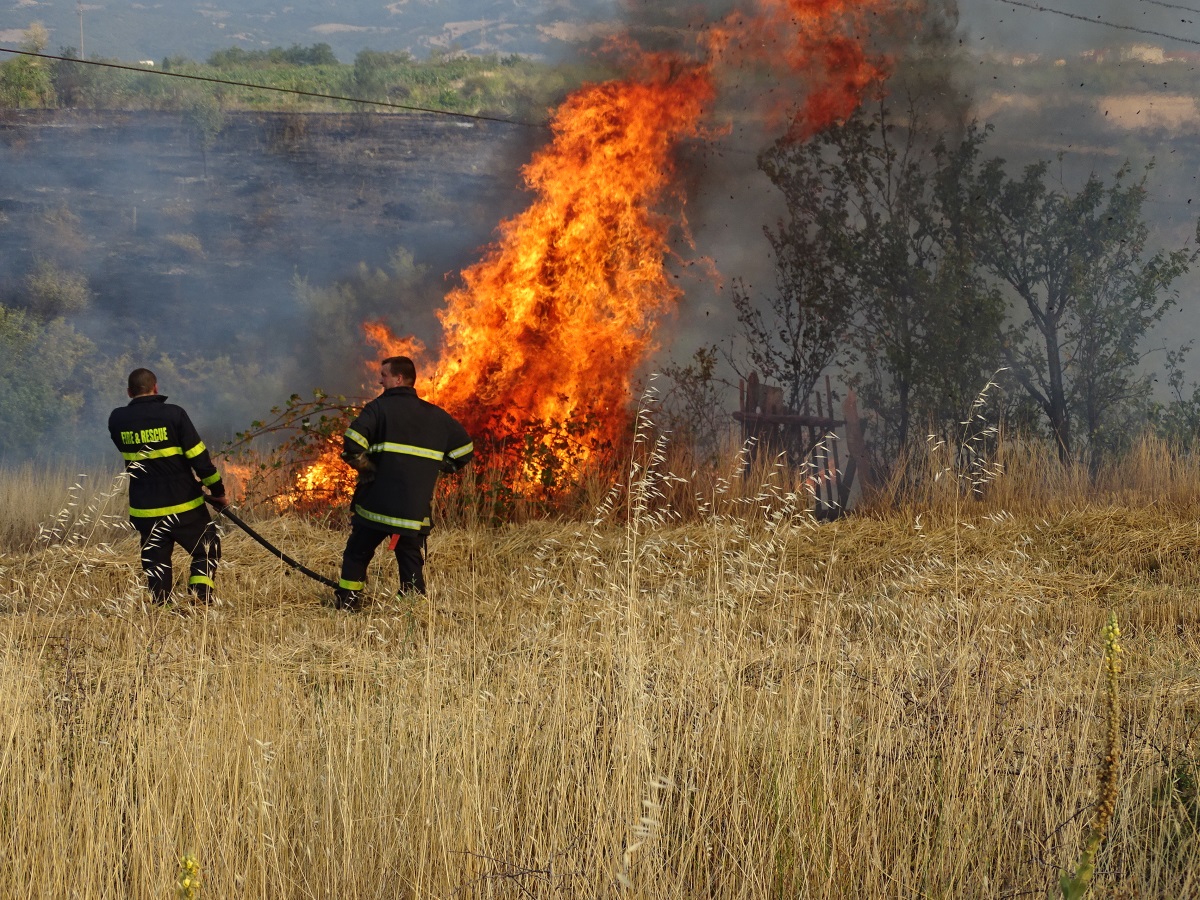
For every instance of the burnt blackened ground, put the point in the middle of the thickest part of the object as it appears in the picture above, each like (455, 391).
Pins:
(200, 250)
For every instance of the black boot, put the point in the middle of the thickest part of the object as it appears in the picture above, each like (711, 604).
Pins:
(351, 601)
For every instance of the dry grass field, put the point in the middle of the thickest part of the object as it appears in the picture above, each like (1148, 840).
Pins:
(732, 703)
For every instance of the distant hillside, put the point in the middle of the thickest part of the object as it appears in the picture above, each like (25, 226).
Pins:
(153, 30)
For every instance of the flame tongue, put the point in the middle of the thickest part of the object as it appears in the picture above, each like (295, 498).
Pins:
(549, 328)
(817, 46)
(544, 338)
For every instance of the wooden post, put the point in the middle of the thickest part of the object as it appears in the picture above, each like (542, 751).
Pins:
(822, 496)
(856, 444)
(750, 431)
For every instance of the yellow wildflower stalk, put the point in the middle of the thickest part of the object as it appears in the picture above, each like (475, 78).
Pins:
(189, 878)
(1075, 886)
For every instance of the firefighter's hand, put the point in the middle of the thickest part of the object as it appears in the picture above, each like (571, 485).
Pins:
(219, 501)
(359, 462)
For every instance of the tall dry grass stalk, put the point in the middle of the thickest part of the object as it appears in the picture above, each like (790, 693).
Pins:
(43, 502)
(734, 702)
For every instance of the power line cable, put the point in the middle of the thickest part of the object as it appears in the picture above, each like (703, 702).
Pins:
(1190, 9)
(281, 90)
(1097, 21)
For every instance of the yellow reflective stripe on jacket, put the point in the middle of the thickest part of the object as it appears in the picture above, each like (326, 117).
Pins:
(356, 437)
(196, 451)
(166, 510)
(211, 479)
(462, 451)
(411, 524)
(153, 454)
(407, 450)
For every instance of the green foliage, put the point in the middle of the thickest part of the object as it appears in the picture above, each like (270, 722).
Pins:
(336, 313)
(510, 86)
(41, 383)
(43, 363)
(51, 292)
(928, 268)
(82, 86)
(187, 882)
(869, 272)
(383, 76)
(1083, 289)
(277, 449)
(316, 55)
(70, 80)
(1177, 421)
(202, 381)
(26, 81)
(204, 118)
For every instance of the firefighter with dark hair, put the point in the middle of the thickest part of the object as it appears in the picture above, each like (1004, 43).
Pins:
(168, 464)
(399, 445)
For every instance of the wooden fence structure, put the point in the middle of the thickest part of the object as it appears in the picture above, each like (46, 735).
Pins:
(813, 441)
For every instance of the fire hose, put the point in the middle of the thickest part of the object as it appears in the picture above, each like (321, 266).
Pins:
(271, 548)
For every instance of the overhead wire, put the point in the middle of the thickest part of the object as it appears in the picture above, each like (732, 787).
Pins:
(1098, 21)
(282, 90)
(1190, 9)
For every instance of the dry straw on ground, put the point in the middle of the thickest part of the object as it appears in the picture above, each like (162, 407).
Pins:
(738, 703)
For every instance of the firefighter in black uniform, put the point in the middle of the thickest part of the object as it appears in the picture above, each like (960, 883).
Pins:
(167, 464)
(398, 445)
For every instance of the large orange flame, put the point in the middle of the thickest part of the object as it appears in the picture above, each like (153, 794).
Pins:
(548, 330)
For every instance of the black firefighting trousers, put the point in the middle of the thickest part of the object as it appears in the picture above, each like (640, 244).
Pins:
(195, 532)
(409, 548)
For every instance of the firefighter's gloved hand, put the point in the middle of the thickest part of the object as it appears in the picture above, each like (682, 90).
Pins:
(219, 501)
(359, 462)
(363, 465)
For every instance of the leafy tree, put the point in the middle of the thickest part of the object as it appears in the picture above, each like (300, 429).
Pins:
(380, 76)
(27, 81)
(800, 331)
(1083, 289)
(1178, 420)
(296, 55)
(41, 390)
(925, 328)
(371, 75)
(316, 55)
(870, 272)
(71, 79)
(204, 119)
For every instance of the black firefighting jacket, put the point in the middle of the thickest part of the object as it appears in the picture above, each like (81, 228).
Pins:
(409, 441)
(164, 457)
